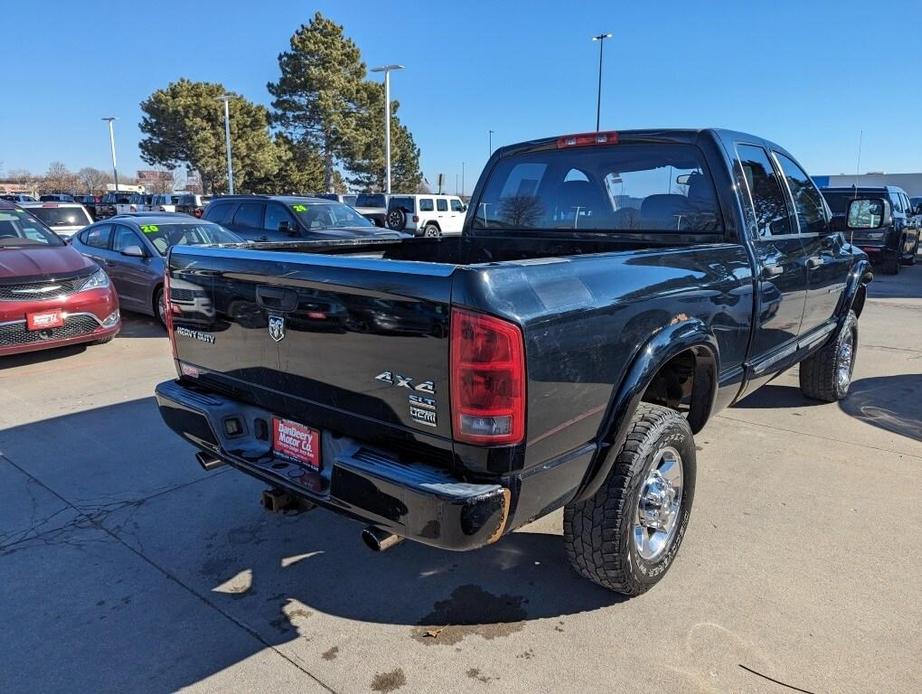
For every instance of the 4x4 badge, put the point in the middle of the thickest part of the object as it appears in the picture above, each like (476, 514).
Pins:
(401, 381)
(277, 328)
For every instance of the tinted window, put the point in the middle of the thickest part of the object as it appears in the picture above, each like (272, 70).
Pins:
(250, 215)
(628, 187)
(838, 200)
(62, 216)
(425, 205)
(407, 204)
(124, 237)
(767, 212)
(220, 212)
(441, 205)
(98, 236)
(896, 201)
(370, 200)
(276, 214)
(457, 205)
(808, 202)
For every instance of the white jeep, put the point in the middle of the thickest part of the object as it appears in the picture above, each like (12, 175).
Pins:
(426, 215)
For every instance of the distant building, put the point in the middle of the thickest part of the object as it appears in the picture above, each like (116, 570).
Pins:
(910, 182)
(156, 180)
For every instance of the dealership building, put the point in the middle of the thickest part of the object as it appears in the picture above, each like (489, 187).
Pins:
(910, 182)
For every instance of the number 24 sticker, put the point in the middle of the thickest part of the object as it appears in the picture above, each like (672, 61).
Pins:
(299, 208)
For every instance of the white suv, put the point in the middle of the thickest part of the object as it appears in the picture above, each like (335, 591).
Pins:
(426, 215)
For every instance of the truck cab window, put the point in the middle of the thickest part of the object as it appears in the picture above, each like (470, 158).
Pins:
(811, 213)
(767, 211)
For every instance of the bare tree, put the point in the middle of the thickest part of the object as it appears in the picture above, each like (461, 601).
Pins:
(93, 180)
(58, 179)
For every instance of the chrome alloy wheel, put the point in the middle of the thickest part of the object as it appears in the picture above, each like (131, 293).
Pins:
(845, 361)
(658, 509)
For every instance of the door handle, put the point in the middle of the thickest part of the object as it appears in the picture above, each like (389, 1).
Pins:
(772, 271)
(814, 262)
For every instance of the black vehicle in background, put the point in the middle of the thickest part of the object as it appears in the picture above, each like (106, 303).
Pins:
(608, 294)
(108, 204)
(192, 204)
(373, 206)
(89, 202)
(287, 218)
(344, 198)
(896, 242)
(56, 197)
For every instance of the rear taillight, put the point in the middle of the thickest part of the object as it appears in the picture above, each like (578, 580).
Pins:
(487, 379)
(415, 219)
(587, 139)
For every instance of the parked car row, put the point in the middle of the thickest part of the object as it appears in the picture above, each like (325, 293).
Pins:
(894, 240)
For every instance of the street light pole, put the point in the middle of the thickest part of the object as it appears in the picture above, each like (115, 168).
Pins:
(227, 140)
(386, 69)
(462, 178)
(112, 147)
(491, 145)
(598, 104)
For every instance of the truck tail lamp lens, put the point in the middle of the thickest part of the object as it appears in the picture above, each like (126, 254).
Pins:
(487, 379)
(587, 139)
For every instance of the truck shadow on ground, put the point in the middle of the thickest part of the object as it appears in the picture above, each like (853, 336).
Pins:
(294, 579)
(773, 396)
(893, 403)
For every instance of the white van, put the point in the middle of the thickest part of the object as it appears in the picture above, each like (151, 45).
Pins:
(426, 215)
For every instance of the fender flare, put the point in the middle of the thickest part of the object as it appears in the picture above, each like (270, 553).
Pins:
(860, 276)
(689, 334)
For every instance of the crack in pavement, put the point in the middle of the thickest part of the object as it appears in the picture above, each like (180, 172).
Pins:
(96, 523)
(817, 436)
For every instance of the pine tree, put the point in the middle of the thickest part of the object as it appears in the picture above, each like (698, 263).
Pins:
(315, 98)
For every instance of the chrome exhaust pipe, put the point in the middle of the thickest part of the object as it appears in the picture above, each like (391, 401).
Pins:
(379, 540)
(208, 461)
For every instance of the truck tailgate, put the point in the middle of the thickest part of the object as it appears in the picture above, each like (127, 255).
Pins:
(352, 344)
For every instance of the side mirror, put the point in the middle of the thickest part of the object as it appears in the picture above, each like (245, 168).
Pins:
(868, 214)
(134, 252)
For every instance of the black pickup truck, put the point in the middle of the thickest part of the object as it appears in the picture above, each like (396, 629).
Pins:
(609, 293)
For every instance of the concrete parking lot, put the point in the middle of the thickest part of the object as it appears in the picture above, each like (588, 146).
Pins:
(124, 567)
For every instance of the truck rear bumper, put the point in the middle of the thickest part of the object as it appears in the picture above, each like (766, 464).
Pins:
(416, 501)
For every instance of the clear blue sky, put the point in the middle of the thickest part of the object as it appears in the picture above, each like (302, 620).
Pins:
(809, 75)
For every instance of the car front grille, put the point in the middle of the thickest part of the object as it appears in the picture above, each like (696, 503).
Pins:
(39, 291)
(74, 326)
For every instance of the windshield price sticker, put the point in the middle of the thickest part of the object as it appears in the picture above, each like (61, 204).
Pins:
(150, 228)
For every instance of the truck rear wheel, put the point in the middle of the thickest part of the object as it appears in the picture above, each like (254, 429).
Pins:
(892, 263)
(626, 536)
(827, 374)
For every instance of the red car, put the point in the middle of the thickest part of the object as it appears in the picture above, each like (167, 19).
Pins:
(50, 294)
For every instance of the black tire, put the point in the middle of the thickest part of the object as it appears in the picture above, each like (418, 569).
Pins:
(599, 532)
(397, 219)
(158, 303)
(821, 377)
(432, 231)
(103, 340)
(911, 260)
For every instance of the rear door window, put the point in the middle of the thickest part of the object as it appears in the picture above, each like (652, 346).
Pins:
(767, 211)
(441, 205)
(425, 205)
(250, 215)
(811, 213)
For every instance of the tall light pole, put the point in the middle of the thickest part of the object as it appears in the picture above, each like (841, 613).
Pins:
(230, 167)
(112, 147)
(491, 145)
(462, 178)
(598, 104)
(386, 69)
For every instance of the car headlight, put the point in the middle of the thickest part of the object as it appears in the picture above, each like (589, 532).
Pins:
(98, 280)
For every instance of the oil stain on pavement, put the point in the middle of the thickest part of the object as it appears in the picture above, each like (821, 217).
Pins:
(471, 610)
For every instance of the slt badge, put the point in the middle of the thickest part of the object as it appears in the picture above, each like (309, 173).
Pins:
(277, 328)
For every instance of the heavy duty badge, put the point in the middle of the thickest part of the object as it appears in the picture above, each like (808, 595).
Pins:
(277, 328)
